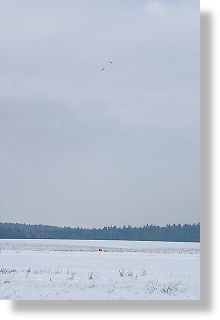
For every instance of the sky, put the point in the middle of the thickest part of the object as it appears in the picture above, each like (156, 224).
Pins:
(84, 147)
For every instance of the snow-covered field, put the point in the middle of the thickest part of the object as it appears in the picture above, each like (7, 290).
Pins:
(77, 270)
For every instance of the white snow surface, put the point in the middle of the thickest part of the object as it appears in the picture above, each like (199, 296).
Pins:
(77, 270)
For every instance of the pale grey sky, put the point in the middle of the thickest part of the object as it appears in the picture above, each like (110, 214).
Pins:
(90, 148)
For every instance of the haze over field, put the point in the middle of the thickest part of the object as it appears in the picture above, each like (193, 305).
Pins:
(90, 148)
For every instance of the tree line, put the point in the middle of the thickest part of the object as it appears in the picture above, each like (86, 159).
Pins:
(175, 232)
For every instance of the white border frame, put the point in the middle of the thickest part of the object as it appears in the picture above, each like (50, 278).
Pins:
(209, 305)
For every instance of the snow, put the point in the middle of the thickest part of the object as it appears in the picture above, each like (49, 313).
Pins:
(76, 270)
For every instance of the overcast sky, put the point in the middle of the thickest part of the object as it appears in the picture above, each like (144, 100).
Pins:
(80, 146)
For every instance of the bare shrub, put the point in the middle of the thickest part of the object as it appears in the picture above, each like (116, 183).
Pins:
(73, 274)
(124, 273)
(7, 271)
(93, 275)
(58, 270)
(90, 276)
(152, 286)
(121, 272)
(113, 288)
(171, 288)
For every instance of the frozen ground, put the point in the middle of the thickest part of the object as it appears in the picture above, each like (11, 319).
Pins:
(76, 270)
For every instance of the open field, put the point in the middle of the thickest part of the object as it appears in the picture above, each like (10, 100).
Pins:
(76, 270)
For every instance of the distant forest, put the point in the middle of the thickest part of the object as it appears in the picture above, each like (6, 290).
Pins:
(175, 232)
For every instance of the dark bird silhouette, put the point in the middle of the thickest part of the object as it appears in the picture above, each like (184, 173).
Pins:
(110, 61)
(102, 69)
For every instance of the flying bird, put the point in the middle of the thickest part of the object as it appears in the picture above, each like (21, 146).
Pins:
(109, 61)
